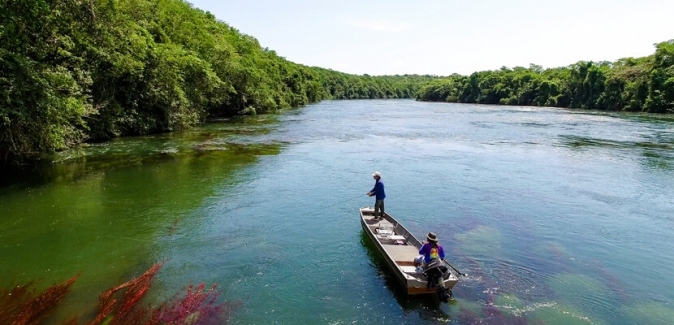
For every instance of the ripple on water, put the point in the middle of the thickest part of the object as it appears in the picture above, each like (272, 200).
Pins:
(655, 313)
(482, 240)
(588, 294)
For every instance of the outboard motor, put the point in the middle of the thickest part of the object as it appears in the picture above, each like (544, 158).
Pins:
(435, 272)
(445, 295)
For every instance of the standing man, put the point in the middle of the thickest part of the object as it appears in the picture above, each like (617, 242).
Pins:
(379, 194)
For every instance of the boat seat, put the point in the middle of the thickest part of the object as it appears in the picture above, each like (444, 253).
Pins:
(385, 229)
(401, 252)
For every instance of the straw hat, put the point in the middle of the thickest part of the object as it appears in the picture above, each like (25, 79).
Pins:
(432, 237)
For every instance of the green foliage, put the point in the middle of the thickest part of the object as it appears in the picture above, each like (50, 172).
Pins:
(43, 80)
(638, 85)
(74, 71)
(337, 85)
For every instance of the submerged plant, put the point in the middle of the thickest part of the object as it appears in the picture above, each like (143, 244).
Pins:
(119, 305)
(114, 309)
(197, 307)
(20, 305)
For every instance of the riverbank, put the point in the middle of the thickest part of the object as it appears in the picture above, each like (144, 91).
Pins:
(76, 73)
(631, 84)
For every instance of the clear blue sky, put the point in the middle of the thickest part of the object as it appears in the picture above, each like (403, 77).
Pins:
(451, 36)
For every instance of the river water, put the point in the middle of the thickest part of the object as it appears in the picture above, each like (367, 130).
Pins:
(557, 216)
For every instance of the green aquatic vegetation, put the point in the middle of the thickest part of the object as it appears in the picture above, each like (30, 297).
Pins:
(509, 302)
(510, 309)
(551, 313)
(237, 150)
(656, 154)
(109, 211)
(208, 134)
(548, 312)
(658, 159)
(482, 240)
(579, 291)
(493, 310)
(663, 146)
(650, 313)
(467, 309)
(159, 150)
(256, 149)
(578, 141)
(566, 287)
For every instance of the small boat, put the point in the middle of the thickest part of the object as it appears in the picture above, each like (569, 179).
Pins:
(399, 248)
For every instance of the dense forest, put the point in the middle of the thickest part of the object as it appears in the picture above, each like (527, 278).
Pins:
(79, 71)
(76, 71)
(636, 85)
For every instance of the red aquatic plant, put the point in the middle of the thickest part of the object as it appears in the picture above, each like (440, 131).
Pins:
(20, 305)
(491, 313)
(198, 306)
(557, 252)
(467, 316)
(119, 305)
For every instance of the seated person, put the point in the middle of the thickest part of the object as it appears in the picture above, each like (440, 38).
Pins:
(434, 269)
(431, 249)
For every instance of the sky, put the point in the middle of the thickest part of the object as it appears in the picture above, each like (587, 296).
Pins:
(388, 37)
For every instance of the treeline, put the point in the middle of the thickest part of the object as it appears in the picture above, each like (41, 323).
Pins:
(345, 86)
(75, 71)
(636, 85)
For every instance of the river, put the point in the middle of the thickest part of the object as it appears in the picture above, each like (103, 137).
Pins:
(557, 216)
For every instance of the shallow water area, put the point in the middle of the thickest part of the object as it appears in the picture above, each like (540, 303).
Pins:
(557, 216)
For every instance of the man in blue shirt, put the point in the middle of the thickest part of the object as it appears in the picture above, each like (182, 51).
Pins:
(379, 194)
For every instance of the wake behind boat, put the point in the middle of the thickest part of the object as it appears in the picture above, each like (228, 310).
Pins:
(399, 248)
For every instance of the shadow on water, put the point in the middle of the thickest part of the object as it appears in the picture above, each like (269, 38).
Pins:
(427, 306)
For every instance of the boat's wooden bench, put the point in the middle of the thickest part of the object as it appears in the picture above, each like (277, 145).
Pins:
(401, 254)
